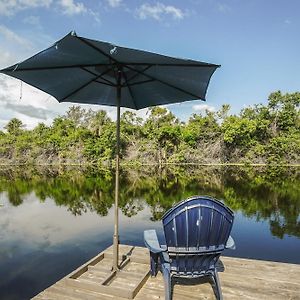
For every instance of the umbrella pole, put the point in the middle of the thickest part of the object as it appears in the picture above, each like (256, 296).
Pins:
(117, 191)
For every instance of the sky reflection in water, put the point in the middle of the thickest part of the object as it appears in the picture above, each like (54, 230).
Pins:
(51, 221)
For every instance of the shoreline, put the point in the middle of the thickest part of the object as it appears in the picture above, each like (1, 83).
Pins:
(138, 164)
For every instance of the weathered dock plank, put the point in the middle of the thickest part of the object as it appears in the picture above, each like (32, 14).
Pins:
(242, 279)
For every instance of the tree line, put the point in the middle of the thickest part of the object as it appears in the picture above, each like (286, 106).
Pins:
(259, 134)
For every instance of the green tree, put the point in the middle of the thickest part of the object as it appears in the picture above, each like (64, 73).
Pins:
(284, 111)
(98, 121)
(163, 129)
(131, 126)
(14, 126)
(77, 115)
(201, 128)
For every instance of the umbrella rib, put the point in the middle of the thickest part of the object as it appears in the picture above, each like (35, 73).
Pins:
(108, 81)
(97, 49)
(129, 89)
(98, 81)
(84, 85)
(166, 83)
(137, 74)
(11, 69)
(140, 82)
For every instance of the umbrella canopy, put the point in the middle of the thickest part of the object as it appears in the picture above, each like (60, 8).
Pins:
(81, 70)
(76, 69)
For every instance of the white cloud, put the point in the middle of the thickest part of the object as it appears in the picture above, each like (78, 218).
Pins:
(34, 3)
(67, 7)
(29, 110)
(11, 36)
(31, 121)
(32, 224)
(11, 91)
(36, 106)
(204, 107)
(11, 7)
(114, 3)
(158, 10)
(16, 46)
(95, 15)
(6, 57)
(223, 8)
(33, 107)
(72, 8)
(32, 20)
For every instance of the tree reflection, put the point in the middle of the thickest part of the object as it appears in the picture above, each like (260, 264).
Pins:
(266, 194)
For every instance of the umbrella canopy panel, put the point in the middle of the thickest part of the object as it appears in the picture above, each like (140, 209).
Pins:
(81, 70)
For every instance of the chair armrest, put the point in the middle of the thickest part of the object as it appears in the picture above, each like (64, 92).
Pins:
(220, 266)
(230, 244)
(151, 241)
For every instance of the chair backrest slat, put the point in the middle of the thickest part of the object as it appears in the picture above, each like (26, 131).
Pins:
(199, 227)
(196, 231)
(187, 228)
(175, 232)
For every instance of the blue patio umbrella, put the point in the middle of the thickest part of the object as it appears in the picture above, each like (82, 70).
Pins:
(81, 70)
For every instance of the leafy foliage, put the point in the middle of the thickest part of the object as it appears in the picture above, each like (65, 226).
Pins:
(268, 134)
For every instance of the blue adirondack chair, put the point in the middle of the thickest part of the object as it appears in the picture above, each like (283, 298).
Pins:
(196, 230)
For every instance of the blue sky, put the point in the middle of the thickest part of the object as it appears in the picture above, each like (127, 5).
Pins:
(256, 42)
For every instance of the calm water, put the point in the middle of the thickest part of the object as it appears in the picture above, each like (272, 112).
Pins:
(51, 221)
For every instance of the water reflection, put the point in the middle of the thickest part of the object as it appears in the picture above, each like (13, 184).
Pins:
(270, 195)
(53, 220)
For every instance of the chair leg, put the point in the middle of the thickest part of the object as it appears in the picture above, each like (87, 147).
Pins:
(168, 284)
(154, 264)
(217, 289)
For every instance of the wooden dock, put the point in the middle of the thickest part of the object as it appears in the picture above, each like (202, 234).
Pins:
(242, 279)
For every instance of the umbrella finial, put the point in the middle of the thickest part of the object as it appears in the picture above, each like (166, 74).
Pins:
(73, 33)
